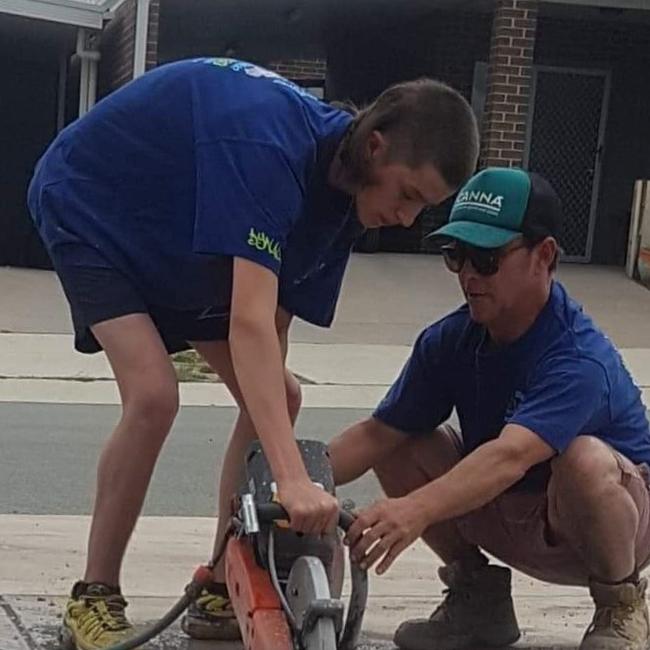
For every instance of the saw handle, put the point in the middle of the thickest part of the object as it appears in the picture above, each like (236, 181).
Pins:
(268, 512)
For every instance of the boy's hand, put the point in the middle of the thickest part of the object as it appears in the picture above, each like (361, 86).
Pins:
(311, 510)
(384, 530)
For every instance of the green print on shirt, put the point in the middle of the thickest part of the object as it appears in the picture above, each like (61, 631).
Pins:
(263, 242)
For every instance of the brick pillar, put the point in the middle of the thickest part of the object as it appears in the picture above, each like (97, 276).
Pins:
(118, 45)
(300, 69)
(509, 80)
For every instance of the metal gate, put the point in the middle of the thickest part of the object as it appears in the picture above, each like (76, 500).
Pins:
(565, 134)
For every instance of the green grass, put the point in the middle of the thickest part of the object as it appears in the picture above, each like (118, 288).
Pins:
(190, 366)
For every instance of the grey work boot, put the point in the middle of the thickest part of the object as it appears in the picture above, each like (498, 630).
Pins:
(477, 611)
(621, 618)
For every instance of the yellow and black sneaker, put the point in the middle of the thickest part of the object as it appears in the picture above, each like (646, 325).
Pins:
(94, 618)
(211, 616)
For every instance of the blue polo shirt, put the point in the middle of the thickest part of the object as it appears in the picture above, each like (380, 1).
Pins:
(561, 379)
(194, 163)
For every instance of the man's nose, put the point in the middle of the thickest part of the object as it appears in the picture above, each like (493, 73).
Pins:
(467, 271)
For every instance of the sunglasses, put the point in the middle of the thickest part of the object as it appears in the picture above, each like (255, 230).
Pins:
(485, 261)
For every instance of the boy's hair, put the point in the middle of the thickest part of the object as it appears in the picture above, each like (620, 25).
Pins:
(426, 121)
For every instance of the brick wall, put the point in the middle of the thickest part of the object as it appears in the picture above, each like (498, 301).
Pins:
(118, 45)
(445, 45)
(298, 69)
(594, 44)
(509, 81)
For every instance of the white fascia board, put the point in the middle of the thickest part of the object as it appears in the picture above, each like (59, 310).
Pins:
(69, 13)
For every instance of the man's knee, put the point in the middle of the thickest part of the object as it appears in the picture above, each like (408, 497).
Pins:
(585, 478)
(587, 464)
(402, 458)
(417, 461)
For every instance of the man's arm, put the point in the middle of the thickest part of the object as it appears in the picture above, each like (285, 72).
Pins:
(361, 447)
(568, 394)
(416, 403)
(391, 525)
(483, 475)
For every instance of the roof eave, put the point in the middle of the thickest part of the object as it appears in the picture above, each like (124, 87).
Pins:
(61, 11)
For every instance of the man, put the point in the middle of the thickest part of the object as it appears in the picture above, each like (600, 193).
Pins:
(207, 203)
(548, 472)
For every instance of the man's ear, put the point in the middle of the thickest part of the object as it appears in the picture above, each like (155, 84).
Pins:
(547, 251)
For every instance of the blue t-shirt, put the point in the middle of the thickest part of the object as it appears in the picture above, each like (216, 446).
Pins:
(194, 163)
(562, 378)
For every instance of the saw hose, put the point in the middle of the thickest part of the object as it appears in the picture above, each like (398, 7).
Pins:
(202, 578)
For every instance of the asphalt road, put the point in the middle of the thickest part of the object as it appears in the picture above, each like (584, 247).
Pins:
(48, 456)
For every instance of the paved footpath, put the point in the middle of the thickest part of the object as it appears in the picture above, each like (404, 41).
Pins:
(386, 300)
(44, 368)
(42, 556)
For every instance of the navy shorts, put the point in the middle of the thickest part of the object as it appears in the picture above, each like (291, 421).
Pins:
(98, 294)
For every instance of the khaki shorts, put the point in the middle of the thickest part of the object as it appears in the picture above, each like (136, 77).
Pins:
(514, 528)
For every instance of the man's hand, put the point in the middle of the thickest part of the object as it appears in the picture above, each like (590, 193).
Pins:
(384, 530)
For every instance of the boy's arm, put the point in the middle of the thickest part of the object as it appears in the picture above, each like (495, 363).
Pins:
(259, 368)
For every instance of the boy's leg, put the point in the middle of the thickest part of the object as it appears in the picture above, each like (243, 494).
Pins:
(149, 393)
(94, 616)
(212, 616)
(217, 355)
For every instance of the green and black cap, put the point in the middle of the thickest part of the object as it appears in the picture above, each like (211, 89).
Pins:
(500, 204)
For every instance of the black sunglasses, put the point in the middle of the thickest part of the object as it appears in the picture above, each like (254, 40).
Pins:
(484, 260)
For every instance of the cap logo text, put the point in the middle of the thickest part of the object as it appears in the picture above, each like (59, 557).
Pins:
(486, 201)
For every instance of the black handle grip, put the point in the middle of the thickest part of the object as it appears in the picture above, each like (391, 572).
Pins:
(268, 512)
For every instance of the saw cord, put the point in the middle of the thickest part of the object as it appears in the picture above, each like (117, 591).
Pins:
(201, 579)
(276, 583)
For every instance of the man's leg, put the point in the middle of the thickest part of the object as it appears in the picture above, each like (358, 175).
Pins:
(148, 389)
(590, 508)
(427, 459)
(478, 607)
(597, 504)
